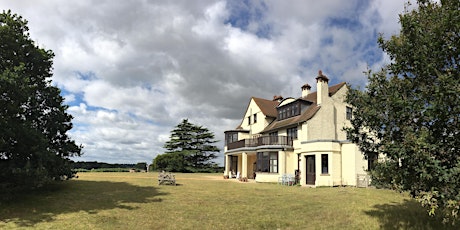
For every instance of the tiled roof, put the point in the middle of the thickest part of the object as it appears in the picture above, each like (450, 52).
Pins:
(332, 90)
(307, 114)
(268, 107)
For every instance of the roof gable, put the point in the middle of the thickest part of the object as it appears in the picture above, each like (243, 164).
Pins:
(332, 90)
(307, 114)
(268, 107)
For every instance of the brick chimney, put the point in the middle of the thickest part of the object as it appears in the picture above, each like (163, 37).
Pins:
(322, 87)
(305, 90)
(277, 98)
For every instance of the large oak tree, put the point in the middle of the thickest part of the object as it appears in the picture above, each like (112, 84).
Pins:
(410, 110)
(34, 145)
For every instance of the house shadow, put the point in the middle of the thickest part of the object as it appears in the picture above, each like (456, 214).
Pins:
(75, 196)
(406, 215)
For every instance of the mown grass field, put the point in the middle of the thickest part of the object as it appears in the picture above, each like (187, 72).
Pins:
(206, 201)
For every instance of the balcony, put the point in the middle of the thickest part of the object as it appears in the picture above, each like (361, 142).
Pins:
(261, 141)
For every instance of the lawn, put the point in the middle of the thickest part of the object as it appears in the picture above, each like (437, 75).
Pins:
(206, 201)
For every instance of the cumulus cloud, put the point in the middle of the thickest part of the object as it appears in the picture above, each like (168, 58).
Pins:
(131, 72)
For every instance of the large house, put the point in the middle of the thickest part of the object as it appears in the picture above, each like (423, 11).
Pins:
(298, 136)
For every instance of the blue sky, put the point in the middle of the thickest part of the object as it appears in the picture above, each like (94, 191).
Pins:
(131, 71)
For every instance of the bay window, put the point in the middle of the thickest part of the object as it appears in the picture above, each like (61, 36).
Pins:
(267, 162)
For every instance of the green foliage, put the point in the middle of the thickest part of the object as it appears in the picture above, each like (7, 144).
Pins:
(141, 166)
(34, 146)
(410, 110)
(190, 149)
(89, 165)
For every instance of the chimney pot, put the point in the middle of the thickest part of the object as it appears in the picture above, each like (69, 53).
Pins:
(305, 90)
(277, 98)
(321, 77)
(321, 87)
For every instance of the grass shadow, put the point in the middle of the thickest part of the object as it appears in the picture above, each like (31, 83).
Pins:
(406, 215)
(75, 196)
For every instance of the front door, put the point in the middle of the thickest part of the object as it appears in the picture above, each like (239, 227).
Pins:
(311, 170)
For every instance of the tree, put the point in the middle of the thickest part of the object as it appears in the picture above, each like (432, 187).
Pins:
(141, 166)
(190, 149)
(410, 110)
(34, 145)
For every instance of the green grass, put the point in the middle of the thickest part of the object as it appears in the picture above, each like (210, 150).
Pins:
(206, 201)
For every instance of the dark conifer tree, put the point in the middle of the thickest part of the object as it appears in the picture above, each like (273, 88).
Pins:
(190, 149)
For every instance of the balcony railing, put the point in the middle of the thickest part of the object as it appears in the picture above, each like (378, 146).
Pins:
(260, 141)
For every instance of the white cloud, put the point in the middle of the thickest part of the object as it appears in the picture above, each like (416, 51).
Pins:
(132, 71)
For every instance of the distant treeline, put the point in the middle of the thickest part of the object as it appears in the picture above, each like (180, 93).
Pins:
(94, 165)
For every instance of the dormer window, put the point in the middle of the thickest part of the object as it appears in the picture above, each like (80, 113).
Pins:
(289, 110)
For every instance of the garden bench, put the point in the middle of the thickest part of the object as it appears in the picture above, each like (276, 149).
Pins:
(166, 179)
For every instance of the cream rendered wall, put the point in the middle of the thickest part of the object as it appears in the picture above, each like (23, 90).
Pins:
(320, 126)
(227, 165)
(334, 175)
(336, 168)
(240, 163)
(333, 150)
(261, 119)
(251, 169)
(321, 146)
(354, 163)
(330, 119)
(242, 136)
(281, 162)
(338, 100)
(303, 166)
(349, 165)
(323, 179)
(267, 177)
(301, 134)
(287, 162)
(361, 162)
(291, 162)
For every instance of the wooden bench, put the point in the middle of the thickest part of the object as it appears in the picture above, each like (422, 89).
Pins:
(166, 179)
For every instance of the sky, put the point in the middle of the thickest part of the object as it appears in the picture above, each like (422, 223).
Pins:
(132, 70)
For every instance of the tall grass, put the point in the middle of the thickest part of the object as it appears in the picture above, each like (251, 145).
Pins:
(206, 201)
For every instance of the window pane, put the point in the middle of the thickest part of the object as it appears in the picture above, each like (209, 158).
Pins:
(324, 164)
(274, 162)
(267, 162)
(349, 113)
(292, 132)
